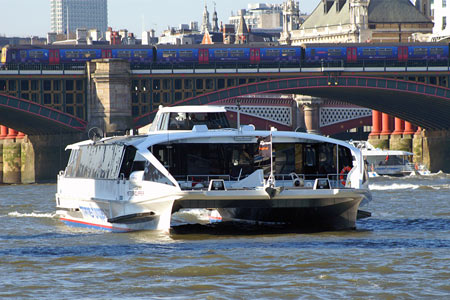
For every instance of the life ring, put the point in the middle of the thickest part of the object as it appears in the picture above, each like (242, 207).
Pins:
(344, 171)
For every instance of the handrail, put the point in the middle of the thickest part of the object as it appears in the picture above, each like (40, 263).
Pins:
(304, 66)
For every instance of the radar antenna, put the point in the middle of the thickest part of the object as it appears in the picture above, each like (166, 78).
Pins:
(95, 134)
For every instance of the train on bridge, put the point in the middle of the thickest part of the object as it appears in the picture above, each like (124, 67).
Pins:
(228, 54)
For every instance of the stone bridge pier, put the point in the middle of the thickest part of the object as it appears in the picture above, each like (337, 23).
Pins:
(34, 158)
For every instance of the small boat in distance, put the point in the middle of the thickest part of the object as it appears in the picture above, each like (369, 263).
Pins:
(388, 162)
(191, 158)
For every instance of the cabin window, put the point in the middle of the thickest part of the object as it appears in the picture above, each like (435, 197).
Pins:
(334, 52)
(89, 54)
(237, 53)
(221, 53)
(127, 162)
(72, 54)
(436, 51)
(36, 54)
(385, 51)
(167, 54)
(420, 51)
(97, 162)
(288, 52)
(140, 53)
(151, 173)
(124, 53)
(23, 54)
(369, 51)
(186, 53)
(273, 52)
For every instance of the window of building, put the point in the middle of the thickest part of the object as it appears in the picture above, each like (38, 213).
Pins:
(444, 3)
(444, 23)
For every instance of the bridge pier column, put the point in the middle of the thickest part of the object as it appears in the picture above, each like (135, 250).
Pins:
(3, 134)
(409, 128)
(45, 156)
(376, 123)
(11, 160)
(399, 127)
(109, 95)
(311, 111)
(431, 148)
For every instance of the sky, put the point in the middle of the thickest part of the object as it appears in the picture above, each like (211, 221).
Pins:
(25, 18)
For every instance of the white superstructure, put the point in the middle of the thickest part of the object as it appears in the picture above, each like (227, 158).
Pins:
(191, 158)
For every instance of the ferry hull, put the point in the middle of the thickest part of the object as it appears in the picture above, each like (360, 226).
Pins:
(301, 208)
(76, 219)
(340, 216)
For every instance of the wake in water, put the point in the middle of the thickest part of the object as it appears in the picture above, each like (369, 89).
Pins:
(436, 181)
(32, 215)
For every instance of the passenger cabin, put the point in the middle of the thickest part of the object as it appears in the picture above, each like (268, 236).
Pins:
(186, 117)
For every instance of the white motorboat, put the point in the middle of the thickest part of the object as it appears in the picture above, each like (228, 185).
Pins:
(388, 162)
(191, 158)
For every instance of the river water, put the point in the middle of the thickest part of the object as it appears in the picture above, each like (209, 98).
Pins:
(402, 251)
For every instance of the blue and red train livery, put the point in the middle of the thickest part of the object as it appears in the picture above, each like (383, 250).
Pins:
(223, 54)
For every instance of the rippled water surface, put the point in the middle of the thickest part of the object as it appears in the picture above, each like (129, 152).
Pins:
(402, 251)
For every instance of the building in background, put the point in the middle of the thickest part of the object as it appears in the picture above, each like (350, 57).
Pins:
(68, 15)
(441, 29)
(350, 21)
(259, 15)
(424, 6)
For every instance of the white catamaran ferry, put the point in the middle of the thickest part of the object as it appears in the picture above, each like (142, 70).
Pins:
(389, 162)
(191, 158)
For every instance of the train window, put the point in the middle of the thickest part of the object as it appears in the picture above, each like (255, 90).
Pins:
(72, 54)
(369, 51)
(36, 54)
(237, 53)
(334, 52)
(169, 54)
(385, 51)
(420, 51)
(221, 53)
(89, 54)
(186, 53)
(124, 53)
(288, 52)
(23, 54)
(435, 51)
(140, 53)
(273, 52)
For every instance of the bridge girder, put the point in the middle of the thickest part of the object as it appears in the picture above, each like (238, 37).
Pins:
(35, 119)
(425, 105)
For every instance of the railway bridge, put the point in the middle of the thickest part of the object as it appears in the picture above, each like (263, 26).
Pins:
(47, 107)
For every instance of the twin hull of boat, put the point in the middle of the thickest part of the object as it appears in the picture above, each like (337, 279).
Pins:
(115, 205)
(328, 209)
(122, 206)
